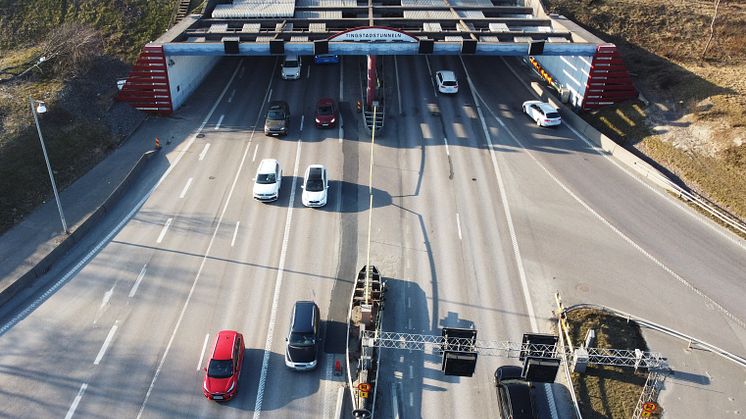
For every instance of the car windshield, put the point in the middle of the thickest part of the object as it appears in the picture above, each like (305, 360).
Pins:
(265, 178)
(553, 115)
(276, 115)
(220, 368)
(314, 185)
(326, 110)
(301, 339)
(291, 64)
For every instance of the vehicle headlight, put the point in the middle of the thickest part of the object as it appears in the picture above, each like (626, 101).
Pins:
(233, 385)
(333, 120)
(318, 121)
(204, 385)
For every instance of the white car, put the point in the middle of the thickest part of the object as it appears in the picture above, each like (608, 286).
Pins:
(291, 67)
(446, 81)
(315, 185)
(268, 180)
(544, 114)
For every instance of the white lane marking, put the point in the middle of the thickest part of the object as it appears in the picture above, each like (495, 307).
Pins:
(278, 286)
(409, 302)
(255, 150)
(411, 399)
(76, 401)
(199, 272)
(308, 74)
(138, 280)
(105, 346)
(107, 297)
(220, 121)
(204, 152)
(230, 98)
(327, 382)
(243, 70)
(164, 230)
(398, 89)
(341, 132)
(202, 353)
(411, 371)
(458, 225)
(186, 188)
(506, 205)
(431, 76)
(235, 232)
(75, 269)
(269, 96)
(302, 118)
(340, 399)
(445, 141)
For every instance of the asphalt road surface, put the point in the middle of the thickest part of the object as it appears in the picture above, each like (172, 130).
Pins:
(479, 217)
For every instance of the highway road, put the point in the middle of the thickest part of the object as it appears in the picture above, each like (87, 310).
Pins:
(479, 217)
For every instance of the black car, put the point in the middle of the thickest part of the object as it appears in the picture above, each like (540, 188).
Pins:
(514, 394)
(278, 118)
(303, 339)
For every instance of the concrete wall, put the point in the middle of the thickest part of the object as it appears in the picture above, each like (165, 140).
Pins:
(185, 73)
(571, 72)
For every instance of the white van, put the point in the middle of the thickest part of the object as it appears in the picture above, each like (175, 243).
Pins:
(291, 68)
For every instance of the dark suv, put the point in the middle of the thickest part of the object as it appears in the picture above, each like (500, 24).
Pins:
(303, 339)
(278, 118)
(514, 394)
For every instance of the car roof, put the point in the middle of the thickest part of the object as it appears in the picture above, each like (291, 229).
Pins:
(447, 75)
(224, 344)
(278, 104)
(303, 317)
(267, 165)
(546, 107)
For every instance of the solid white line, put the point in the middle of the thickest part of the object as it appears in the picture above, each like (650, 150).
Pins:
(269, 96)
(76, 401)
(458, 225)
(220, 121)
(394, 401)
(328, 380)
(278, 287)
(255, 150)
(204, 151)
(199, 271)
(340, 399)
(105, 346)
(202, 353)
(164, 230)
(506, 205)
(341, 132)
(445, 141)
(398, 89)
(235, 232)
(138, 280)
(302, 118)
(230, 98)
(186, 188)
(75, 269)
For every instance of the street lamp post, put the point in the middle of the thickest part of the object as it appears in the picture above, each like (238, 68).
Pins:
(41, 109)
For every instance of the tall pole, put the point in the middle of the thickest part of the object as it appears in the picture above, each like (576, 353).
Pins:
(49, 167)
(370, 206)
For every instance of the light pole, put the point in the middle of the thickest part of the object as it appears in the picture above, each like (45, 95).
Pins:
(41, 109)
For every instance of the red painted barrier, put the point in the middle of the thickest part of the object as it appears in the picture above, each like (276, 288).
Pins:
(147, 87)
(609, 81)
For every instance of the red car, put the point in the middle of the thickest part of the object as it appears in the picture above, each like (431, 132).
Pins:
(224, 368)
(326, 113)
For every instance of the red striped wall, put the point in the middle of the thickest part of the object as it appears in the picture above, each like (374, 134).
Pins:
(609, 81)
(147, 87)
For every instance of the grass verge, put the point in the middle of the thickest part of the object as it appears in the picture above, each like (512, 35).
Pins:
(607, 392)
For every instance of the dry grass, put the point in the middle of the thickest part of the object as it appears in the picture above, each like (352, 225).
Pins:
(607, 392)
